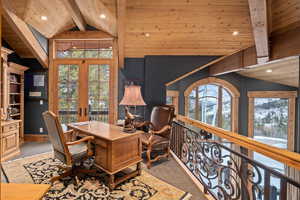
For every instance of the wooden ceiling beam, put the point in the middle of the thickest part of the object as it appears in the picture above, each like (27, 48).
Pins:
(121, 12)
(25, 34)
(259, 21)
(74, 11)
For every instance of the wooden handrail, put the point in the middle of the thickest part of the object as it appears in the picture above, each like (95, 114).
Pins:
(289, 158)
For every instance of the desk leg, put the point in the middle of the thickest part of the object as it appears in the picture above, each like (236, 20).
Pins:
(111, 183)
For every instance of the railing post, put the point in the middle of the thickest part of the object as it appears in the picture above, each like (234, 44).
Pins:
(267, 185)
(283, 189)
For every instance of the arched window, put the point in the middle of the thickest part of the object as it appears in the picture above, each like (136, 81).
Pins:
(213, 101)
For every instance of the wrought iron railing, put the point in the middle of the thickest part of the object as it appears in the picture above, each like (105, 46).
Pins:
(226, 170)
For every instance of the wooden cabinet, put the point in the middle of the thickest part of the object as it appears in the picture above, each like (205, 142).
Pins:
(10, 139)
(12, 106)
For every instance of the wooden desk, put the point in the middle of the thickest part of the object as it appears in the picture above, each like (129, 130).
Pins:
(114, 149)
(14, 191)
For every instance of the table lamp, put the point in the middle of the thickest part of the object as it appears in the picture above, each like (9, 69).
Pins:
(132, 97)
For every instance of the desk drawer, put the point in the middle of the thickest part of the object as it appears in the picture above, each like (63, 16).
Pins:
(10, 127)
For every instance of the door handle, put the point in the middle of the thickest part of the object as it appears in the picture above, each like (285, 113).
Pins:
(80, 111)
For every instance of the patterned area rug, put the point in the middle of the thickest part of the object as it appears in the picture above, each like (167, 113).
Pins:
(40, 168)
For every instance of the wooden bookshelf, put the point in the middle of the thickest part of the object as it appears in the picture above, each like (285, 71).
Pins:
(12, 108)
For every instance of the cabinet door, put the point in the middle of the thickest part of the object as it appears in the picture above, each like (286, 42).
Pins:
(10, 142)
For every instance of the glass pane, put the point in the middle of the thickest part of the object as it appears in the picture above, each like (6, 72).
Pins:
(99, 92)
(271, 121)
(77, 53)
(192, 104)
(208, 108)
(93, 72)
(105, 53)
(211, 90)
(68, 93)
(92, 53)
(226, 110)
(169, 100)
(271, 127)
(63, 72)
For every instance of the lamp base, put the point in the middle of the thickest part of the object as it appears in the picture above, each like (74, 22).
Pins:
(129, 130)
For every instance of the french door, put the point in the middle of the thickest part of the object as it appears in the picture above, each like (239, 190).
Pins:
(82, 90)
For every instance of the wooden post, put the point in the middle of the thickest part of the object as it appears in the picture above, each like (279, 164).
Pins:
(298, 111)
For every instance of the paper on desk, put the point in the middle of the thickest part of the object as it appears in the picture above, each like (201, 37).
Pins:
(80, 123)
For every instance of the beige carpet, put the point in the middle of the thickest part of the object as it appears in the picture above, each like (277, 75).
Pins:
(39, 168)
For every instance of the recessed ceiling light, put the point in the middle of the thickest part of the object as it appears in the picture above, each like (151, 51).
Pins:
(102, 16)
(235, 33)
(269, 70)
(147, 34)
(44, 18)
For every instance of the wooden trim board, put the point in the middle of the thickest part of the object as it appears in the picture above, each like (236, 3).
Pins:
(36, 138)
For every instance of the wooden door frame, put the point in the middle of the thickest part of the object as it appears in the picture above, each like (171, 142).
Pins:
(83, 85)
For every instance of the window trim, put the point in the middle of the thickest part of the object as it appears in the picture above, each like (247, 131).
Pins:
(290, 95)
(233, 91)
(174, 94)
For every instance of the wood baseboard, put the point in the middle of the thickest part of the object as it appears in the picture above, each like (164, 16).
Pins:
(35, 138)
(10, 155)
(192, 177)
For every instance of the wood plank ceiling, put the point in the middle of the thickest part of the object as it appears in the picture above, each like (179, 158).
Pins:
(186, 27)
(31, 12)
(284, 71)
(164, 27)
(285, 13)
(14, 41)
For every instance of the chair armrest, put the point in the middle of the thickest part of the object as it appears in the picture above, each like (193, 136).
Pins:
(87, 138)
(164, 129)
(69, 132)
(145, 123)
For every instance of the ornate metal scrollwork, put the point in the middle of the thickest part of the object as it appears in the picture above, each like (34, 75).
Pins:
(215, 167)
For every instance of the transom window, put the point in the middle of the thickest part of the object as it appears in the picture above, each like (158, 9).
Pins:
(211, 101)
(84, 49)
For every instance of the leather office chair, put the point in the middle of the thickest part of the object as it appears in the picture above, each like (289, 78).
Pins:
(67, 152)
(158, 136)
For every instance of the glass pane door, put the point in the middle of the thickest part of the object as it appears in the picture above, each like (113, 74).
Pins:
(98, 92)
(68, 90)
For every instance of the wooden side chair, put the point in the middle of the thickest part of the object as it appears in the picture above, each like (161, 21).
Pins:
(70, 153)
(158, 136)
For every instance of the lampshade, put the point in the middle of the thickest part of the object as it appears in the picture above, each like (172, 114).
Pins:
(132, 96)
